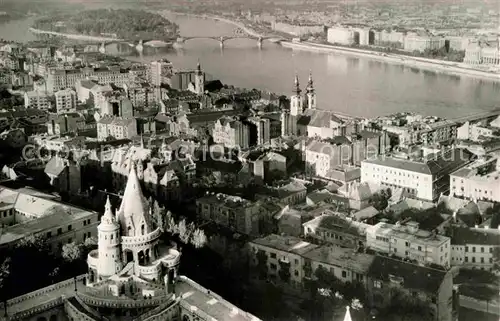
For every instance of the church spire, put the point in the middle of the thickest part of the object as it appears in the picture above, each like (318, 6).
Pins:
(296, 89)
(198, 68)
(347, 316)
(108, 213)
(310, 84)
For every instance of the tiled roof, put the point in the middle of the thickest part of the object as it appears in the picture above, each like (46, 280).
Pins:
(368, 212)
(414, 277)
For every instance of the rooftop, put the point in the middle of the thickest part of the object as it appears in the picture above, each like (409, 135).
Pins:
(209, 303)
(407, 233)
(410, 276)
(227, 200)
(342, 257)
(464, 236)
(285, 243)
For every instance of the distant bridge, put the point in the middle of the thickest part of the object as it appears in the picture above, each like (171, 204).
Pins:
(180, 41)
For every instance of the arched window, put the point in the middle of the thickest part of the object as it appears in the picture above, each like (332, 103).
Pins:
(186, 318)
(129, 230)
(142, 229)
(53, 317)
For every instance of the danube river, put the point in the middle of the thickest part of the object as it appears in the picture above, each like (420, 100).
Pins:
(357, 86)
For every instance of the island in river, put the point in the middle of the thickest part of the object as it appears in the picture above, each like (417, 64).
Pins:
(120, 24)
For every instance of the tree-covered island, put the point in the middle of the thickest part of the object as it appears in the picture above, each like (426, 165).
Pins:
(121, 23)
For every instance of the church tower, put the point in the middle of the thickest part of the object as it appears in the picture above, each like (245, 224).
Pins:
(109, 253)
(296, 101)
(199, 80)
(310, 93)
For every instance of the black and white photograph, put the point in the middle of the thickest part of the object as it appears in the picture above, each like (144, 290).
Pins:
(249, 160)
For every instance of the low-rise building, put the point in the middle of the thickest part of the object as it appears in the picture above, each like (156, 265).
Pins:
(279, 258)
(334, 228)
(479, 181)
(34, 213)
(239, 214)
(116, 127)
(475, 248)
(390, 279)
(65, 123)
(407, 241)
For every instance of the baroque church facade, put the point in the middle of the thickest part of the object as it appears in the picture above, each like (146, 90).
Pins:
(131, 276)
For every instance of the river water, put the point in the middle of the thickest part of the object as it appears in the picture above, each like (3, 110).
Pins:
(357, 86)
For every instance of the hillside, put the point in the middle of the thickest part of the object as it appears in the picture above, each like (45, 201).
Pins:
(122, 23)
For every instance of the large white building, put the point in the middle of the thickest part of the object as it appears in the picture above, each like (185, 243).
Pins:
(479, 181)
(425, 179)
(65, 100)
(407, 241)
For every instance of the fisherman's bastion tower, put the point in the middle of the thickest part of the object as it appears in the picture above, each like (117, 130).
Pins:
(132, 276)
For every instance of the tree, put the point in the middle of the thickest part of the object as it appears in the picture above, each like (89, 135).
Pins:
(5, 281)
(171, 226)
(199, 239)
(185, 231)
(380, 200)
(72, 253)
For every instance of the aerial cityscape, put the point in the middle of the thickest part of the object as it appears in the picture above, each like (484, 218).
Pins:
(250, 160)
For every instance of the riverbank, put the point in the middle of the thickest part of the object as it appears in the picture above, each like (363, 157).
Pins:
(446, 67)
(73, 36)
(240, 25)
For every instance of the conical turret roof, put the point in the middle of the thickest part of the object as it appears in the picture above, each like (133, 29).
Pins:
(133, 212)
(108, 221)
(296, 89)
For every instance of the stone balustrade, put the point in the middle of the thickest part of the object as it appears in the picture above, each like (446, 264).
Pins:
(45, 290)
(173, 258)
(82, 315)
(136, 240)
(158, 312)
(38, 309)
(121, 303)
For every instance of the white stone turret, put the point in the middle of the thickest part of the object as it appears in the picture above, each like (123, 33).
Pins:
(109, 253)
(296, 100)
(310, 93)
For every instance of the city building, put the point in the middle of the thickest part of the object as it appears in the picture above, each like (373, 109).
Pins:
(407, 241)
(38, 100)
(65, 100)
(140, 94)
(347, 265)
(278, 254)
(232, 133)
(65, 175)
(297, 30)
(425, 179)
(29, 212)
(477, 131)
(61, 124)
(58, 79)
(116, 127)
(389, 279)
(479, 181)
(474, 248)
(483, 53)
(160, 72)
(421, 42)
(336, 229)
(83, 89)
(238, 214)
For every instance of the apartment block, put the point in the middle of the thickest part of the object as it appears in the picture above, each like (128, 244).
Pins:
(65, 100)
(475, 248)
(37, 99)
(425, 179)
(407, 241)
(479, 181)
(234, 212)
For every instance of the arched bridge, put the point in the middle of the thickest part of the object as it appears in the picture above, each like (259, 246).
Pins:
(223, 39)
